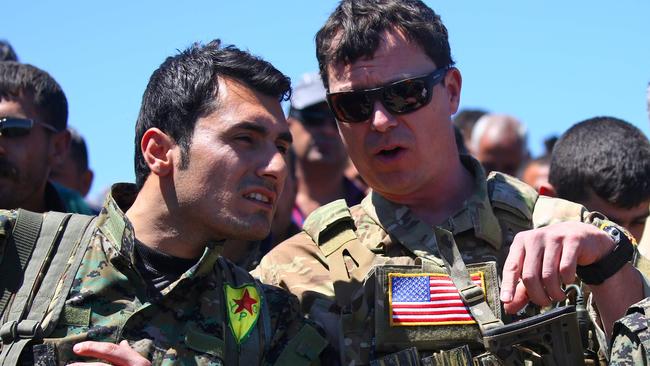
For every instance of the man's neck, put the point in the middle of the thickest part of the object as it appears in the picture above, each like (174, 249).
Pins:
(318, 185)
(156, 226)
(37, 201)
(442, 198)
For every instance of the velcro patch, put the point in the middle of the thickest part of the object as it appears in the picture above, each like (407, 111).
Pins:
(428, 299)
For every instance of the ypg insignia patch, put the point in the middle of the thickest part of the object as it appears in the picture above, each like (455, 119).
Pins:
(243, 310)
(427, 299)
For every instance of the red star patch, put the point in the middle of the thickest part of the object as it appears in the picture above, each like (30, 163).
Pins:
(245, 303)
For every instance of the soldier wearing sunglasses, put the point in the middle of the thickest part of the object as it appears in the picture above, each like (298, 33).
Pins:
(33, 139)
(411, 275)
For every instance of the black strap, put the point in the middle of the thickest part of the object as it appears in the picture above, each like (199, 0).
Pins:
(18, 250)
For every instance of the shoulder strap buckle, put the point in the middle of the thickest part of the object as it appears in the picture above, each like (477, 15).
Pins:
(472, 294)
(25, 329)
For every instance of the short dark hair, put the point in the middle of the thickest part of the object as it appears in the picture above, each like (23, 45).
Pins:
(355, 28)
(466, 119)
(78, 150)
(49, 99)
(7, 52)
(603, 155)
(185, 88)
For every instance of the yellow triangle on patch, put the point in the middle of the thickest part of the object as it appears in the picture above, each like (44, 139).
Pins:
(244, 304)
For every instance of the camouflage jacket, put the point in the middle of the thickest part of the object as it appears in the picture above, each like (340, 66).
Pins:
(483, 230)
(631, 336)
(186, 323)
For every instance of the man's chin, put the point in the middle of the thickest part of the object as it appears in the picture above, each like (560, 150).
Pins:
(256, 231)
(8, 197)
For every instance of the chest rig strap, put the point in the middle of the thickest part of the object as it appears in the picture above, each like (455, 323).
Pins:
(349, 260)
(471, 294)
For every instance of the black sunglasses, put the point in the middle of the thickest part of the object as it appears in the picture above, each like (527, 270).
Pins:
(313, 118)
(399, 97)
(18, 127)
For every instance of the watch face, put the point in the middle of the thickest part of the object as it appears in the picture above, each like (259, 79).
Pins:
(614, 233)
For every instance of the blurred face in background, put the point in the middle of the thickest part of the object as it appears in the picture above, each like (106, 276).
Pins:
(316, 138)
(25, 159)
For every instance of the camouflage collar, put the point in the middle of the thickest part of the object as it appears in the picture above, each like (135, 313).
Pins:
(117, 228)
(476, 214)
(114, 224)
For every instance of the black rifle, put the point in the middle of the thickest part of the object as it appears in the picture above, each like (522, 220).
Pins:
(549, 339)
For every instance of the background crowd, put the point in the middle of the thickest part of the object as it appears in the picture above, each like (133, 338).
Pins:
(542, 63)
(599, 161)
(614, 181)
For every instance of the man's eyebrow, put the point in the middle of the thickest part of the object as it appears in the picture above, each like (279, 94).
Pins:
(252, 126)
(256, 127)
(642, 216)
(286, 136)
(613, 219)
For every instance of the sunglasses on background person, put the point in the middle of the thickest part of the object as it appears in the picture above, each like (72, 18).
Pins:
(18, 127)
(313, 117)
(400, 97)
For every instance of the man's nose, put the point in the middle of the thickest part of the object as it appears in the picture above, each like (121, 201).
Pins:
(382, 120)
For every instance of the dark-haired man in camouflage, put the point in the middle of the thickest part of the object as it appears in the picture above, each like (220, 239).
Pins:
(152, 288)
(411, 274)
(631, 334)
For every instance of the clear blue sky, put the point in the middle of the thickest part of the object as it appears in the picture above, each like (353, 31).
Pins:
(551, 63)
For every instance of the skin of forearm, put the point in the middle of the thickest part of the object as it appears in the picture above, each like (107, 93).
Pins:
(616, 294)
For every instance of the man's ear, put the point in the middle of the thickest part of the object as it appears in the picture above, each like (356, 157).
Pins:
(59, 147)
(86, 182)
(547, 189)
(157, 150)
(453, 83)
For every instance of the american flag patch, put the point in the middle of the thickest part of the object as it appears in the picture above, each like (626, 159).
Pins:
(427, 299)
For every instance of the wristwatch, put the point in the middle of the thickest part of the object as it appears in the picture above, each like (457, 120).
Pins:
(597, 273)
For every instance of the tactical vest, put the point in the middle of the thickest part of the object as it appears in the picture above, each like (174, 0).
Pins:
(365, 285)
(38, 264)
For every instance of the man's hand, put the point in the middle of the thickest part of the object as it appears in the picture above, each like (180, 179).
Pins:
(115, 354)
(540, 260)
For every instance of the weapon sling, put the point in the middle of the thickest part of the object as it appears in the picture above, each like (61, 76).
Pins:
(56, 254)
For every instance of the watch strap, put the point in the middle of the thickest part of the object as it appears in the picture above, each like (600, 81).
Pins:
(596, 273)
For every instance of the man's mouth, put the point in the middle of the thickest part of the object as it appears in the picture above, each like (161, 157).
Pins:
(389, 153)
(258, 197)
(8, 171)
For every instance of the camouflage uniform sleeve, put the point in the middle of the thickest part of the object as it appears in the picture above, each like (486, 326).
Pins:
(627, 344)
(298, 266)
(548, 211)
(295, 340)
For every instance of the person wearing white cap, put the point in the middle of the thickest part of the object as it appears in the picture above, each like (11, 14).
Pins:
(320, 155)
